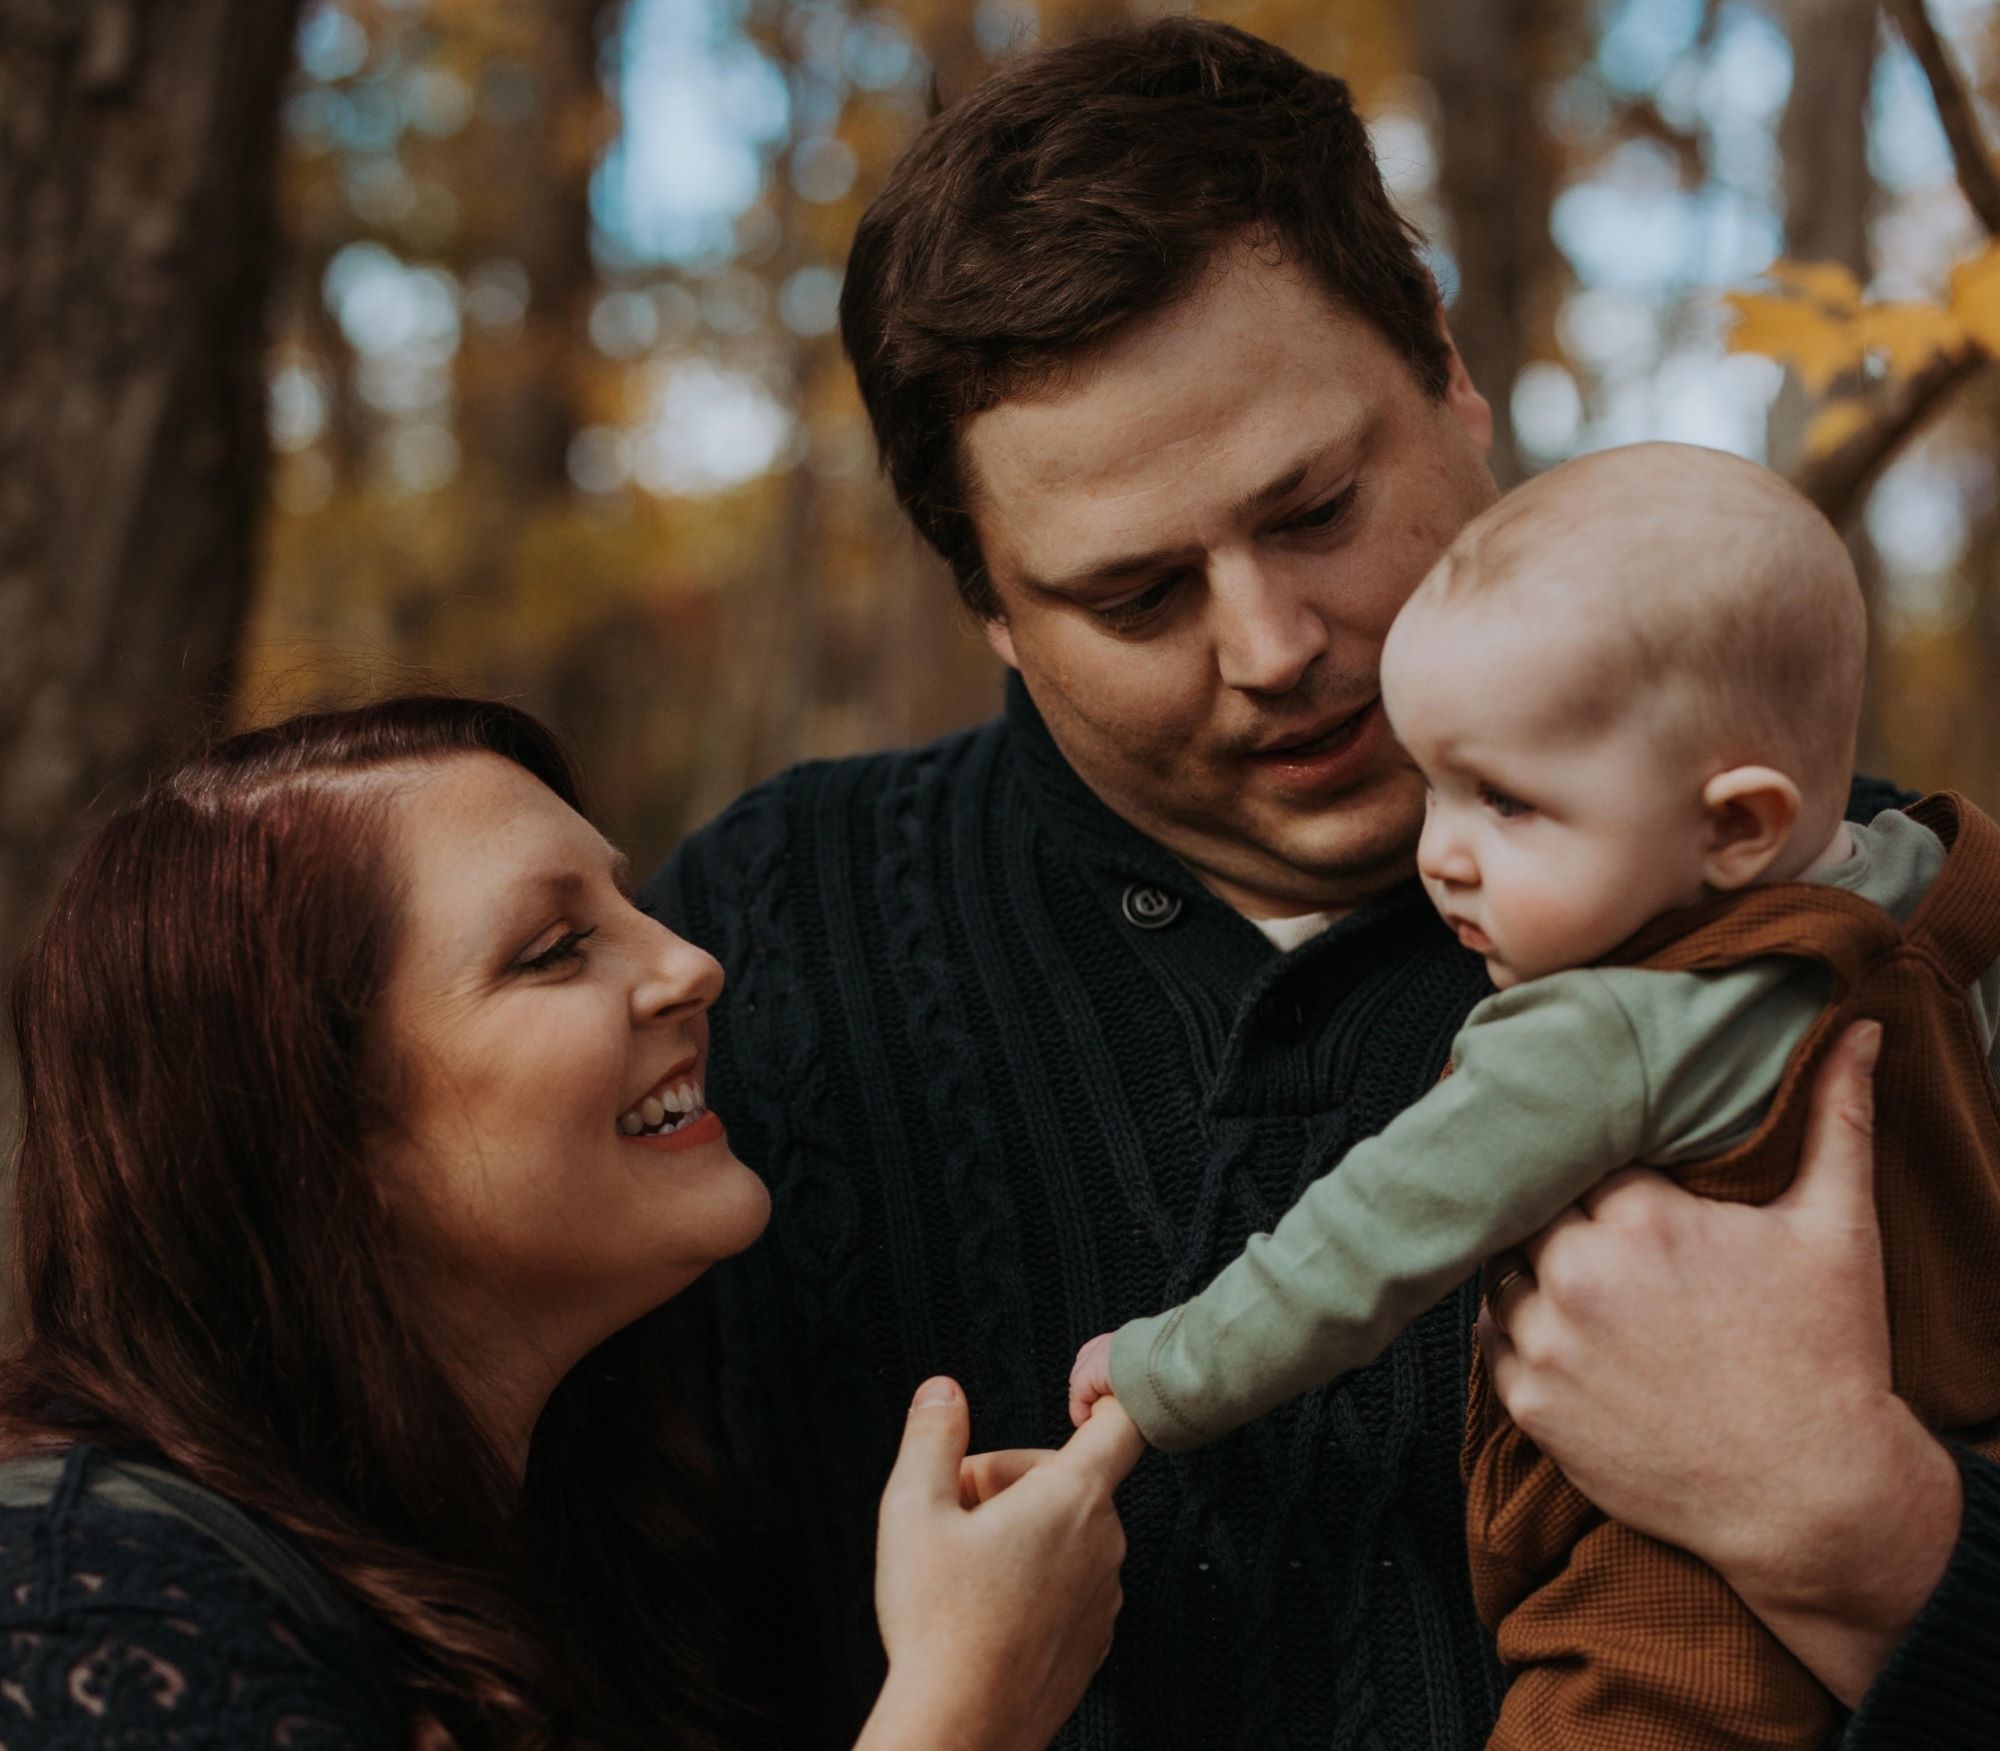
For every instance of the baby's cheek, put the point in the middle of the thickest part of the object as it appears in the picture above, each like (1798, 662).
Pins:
(1550, 921)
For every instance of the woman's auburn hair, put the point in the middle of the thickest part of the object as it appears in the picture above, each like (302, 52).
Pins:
(209, 1271)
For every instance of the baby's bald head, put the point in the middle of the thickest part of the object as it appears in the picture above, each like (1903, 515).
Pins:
(1700, 587)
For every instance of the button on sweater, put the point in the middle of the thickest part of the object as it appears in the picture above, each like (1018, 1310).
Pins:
(1014, 1076)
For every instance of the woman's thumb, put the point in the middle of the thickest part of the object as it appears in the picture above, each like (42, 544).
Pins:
(934, 1443)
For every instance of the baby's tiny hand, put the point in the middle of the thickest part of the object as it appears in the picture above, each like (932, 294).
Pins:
(1090, 1378)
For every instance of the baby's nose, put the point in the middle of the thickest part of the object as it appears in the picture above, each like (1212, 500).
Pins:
(1442, 856)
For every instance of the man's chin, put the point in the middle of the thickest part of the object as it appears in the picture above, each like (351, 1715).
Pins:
(1373, 826)
(1339, 858)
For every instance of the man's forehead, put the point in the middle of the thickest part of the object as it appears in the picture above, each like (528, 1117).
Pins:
(1111, 513)
(1193, 409)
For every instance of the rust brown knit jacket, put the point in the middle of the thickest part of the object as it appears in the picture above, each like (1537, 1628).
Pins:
(1620, 1643)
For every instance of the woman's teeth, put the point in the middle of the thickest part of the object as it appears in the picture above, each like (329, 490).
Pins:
(666, 1110)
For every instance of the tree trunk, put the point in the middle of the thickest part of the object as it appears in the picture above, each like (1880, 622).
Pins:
(137, 148)
(757, 714)
(1495, 182)
(1829, 194)
(529, 403)
(1823, 142)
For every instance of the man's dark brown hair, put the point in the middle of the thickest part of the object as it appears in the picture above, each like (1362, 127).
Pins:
(1082, 187)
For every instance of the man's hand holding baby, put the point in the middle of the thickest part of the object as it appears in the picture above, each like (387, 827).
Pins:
(1717, 1375)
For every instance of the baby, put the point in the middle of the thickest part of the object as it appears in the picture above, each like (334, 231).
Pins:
(1633, 688)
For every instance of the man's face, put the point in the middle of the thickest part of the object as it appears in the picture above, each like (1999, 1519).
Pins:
(1198, 545)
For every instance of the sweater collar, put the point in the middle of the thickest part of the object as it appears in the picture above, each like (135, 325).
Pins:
(1078, 816)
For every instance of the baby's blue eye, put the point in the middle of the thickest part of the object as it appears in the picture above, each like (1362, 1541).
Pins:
(1503, 805)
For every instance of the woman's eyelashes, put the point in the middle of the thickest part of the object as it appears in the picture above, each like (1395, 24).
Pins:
(567, 947)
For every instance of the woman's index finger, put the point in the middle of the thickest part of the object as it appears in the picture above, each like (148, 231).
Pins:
(1109, 1444)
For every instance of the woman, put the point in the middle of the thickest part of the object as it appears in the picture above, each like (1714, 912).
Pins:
(363, 1137)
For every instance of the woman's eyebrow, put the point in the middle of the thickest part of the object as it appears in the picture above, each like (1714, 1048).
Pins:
(570, 882)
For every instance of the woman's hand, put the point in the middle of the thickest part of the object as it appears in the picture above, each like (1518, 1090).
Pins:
(1717, 1376)
(996, 1580)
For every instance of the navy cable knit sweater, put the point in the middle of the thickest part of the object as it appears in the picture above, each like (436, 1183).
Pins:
(1014, 1076)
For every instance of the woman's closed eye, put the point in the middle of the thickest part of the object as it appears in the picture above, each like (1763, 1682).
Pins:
(567, 947)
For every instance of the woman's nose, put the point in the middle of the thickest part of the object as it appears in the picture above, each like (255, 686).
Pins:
(677, 976)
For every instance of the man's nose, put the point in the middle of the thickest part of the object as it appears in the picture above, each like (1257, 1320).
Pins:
(1442, 853)
(1268, 629)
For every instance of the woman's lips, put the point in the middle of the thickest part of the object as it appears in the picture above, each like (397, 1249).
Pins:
(706, 1129)
(1331, 760)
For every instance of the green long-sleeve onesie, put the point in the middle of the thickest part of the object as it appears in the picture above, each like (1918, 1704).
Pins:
(1555, 1083)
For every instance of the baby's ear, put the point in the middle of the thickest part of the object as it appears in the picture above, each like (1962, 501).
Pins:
(1749, 813)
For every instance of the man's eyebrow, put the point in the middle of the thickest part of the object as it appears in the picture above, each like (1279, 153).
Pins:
(1109, 571)
(1159, 559)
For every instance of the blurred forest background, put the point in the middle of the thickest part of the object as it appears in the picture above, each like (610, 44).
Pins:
(351, 343)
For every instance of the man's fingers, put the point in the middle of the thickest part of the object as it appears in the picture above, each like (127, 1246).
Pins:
(1512, 1281)
(934, 1443)
(1837, 1165)
(1535, 1245)
(985, 1475)
(1503, 1366)
(1109, 1443)
(1613, 1184)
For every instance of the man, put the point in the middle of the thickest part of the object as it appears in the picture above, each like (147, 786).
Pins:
(1029, 1030)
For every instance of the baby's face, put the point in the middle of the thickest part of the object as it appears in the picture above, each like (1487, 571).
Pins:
(1547, 841)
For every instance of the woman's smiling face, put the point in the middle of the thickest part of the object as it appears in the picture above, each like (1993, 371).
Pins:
(537, 1020)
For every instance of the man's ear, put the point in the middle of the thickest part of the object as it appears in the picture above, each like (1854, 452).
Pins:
(1749, 813)
(1000, 636)
(1461, 399)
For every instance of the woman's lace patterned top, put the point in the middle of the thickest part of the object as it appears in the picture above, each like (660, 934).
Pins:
(124, 1628)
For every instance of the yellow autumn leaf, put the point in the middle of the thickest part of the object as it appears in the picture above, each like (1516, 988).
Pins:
(1909, 336)
(1824, 282)
(1975, 297)
(1818, 346)
(1834, 424)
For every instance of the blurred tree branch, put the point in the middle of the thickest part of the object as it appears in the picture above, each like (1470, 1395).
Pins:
(1839, 481)
(1969, 154)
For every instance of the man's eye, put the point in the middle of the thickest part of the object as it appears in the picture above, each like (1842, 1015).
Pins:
(1324, 514)
(1135, 610)
(1503, 805)
(567, 947)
